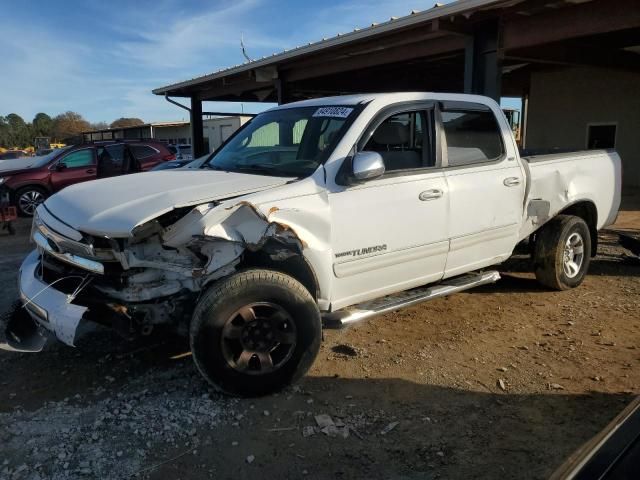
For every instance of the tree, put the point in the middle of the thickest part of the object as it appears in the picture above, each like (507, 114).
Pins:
(42, 125)
(69, 124)
(4, 132)
(19, 132)
(126, 122)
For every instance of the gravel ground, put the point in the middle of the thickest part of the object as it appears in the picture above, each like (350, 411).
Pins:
(506, 380)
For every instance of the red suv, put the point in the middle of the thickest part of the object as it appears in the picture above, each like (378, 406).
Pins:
(31, 180)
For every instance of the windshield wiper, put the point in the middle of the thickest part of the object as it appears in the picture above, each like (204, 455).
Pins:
(257, 167)
(208, 166)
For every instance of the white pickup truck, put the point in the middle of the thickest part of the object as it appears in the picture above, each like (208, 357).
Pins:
(328, 210)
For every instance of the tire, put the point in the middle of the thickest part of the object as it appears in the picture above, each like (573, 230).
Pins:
(562, 252)
(255, 332)
(27, 200)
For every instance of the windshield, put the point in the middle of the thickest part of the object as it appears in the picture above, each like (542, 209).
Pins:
(290, 142)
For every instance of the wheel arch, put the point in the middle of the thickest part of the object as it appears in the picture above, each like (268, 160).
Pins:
(587, 211)
(14, 193)
(295, 265)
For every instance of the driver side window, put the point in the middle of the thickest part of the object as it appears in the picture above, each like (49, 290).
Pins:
(81, 158)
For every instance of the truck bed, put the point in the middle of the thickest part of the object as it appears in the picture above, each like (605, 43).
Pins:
(559, 180)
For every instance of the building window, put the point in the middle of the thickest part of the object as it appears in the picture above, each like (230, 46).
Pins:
(601, 136)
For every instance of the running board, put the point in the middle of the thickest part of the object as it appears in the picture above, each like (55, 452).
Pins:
(372, 308)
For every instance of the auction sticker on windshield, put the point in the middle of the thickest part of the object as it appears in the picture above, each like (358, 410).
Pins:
(334, 112)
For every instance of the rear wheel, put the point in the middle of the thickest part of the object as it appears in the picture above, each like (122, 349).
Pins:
(562, 252)
(28, 199)
(255, 332)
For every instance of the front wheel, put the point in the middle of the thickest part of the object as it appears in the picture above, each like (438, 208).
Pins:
(562, 252)
(28, 199)
(255, 332)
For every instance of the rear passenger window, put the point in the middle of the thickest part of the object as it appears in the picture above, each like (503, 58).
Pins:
(142, 151)
(472, 137)
(400, 140)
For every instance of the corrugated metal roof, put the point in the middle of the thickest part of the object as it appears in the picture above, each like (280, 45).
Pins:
(414, 18)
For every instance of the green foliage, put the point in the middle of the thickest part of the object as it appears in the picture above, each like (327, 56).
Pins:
(42, 125)
(16, 133)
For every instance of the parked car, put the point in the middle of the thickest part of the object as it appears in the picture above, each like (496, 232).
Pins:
(174, 164)
(30, 181)
(323, 211)
(13, 154)
(181, 151)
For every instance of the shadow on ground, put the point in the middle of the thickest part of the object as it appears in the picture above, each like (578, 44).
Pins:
(441, 432)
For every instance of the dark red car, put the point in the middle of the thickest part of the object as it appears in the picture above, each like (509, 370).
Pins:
(31, 180)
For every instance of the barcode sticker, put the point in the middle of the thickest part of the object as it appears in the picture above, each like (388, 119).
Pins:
(334, 112)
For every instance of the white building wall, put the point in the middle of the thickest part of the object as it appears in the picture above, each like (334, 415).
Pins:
(215, 130)
(173, 134)
(563, 103)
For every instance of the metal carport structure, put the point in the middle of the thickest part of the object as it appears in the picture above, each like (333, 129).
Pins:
(489, 47)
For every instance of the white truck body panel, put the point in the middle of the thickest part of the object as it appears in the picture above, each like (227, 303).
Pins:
(411, 253)
(565, 179)
(485, 215)
(361, 241)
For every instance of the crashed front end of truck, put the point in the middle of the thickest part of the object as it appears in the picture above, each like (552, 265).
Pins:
(73, 281)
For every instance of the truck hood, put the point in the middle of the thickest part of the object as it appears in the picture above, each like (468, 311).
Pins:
(113, 207)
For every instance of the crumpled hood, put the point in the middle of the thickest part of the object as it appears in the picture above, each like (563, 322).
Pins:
(115, 206)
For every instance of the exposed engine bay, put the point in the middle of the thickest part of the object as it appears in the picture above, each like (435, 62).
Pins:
(154, 277)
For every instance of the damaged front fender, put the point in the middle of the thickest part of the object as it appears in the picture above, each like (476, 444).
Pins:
(205, 244)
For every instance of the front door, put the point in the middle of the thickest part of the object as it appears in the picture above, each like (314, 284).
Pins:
(75, 167)
(390, 233)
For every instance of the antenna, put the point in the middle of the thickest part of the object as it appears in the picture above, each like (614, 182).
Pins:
(244, 50)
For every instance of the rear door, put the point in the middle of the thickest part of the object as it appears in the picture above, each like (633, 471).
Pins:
(74, 167)
(486, 185)
(390, 233)
(146, 155)
(116, 159)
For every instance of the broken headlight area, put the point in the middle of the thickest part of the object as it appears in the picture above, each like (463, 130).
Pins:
(106, 296)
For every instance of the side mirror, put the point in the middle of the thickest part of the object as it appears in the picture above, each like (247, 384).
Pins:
(367, 165)
(60, 166)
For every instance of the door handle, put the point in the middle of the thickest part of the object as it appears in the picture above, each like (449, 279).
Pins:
(91, 170)
(430, 195)
(511, 182)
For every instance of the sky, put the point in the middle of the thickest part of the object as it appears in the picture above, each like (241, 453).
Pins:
(102, 58)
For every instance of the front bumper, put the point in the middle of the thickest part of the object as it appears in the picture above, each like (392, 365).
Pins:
(48, 309)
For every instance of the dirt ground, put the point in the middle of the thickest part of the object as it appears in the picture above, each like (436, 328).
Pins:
(503, 381)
